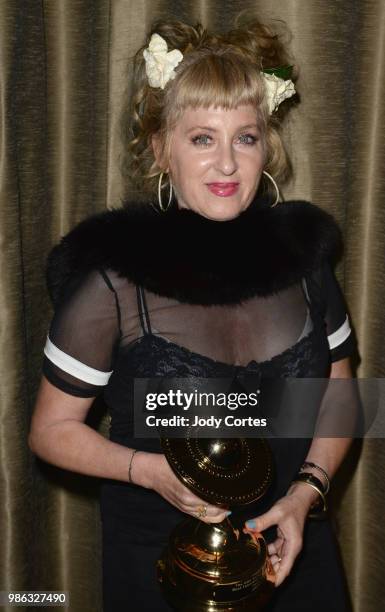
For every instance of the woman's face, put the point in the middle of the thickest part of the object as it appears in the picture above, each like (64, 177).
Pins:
(216, 160)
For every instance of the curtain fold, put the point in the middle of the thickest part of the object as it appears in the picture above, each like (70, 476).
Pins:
(63, 77)
(54, 92)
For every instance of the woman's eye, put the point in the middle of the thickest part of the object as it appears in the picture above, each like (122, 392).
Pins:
(251, 139)
(201, 139)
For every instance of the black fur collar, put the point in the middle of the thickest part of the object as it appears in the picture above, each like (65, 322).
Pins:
(182, 255)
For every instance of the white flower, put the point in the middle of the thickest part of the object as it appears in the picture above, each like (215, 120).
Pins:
(160, 64)
(277, 90)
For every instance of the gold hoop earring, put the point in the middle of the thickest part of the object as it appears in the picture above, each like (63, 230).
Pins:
(160, 195)
(275, 187)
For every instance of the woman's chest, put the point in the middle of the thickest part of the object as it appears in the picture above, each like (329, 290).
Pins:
(276, 333)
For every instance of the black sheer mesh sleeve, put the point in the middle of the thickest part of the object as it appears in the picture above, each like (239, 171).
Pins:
(324, 288)
(84, 336)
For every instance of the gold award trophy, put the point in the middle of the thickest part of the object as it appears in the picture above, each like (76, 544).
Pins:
(213, 567)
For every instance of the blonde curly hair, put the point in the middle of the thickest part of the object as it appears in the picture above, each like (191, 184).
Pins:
(218, 69)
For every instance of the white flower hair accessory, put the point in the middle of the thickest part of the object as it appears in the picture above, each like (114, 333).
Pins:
(277, 88)
(160, 63)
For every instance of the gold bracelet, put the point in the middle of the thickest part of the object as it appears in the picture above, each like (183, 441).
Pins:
(130, 465)
(320, 493)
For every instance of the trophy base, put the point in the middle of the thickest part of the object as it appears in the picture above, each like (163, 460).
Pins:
(213, 568)
(179, 602)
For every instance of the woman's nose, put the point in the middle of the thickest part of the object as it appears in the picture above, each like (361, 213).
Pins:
(226, 159)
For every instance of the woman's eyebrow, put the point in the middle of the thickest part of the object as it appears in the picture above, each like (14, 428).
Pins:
(201, 127)
(211, 129)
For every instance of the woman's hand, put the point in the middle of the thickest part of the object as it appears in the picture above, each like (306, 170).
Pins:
(162, 479)
(289, 514)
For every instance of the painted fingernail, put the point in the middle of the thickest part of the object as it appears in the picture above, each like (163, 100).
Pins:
(251, 523)
(228, 513)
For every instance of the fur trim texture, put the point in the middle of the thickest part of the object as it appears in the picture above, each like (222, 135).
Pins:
(181, 254)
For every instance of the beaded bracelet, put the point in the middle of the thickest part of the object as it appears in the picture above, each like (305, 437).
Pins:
(320, 469)
(130, 465)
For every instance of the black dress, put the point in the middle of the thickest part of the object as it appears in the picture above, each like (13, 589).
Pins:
(107, 331)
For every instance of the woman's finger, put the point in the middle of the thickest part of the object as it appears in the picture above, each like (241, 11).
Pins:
(276, 546)
(266, 520)
(215, 519)
(288, 556)
(276, 567)
(192, 500)
(272, 549)
(207, 512)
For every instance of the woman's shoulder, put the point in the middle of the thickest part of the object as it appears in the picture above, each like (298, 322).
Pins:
(102, 250)
(305, 220)
(91, 246)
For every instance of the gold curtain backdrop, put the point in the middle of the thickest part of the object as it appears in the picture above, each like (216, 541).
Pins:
(63, 77)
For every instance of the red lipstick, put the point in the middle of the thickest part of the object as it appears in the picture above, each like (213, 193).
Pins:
(223, 189)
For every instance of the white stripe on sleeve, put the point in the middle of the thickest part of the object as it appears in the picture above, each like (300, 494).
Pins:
(340, 335)
(74, 367)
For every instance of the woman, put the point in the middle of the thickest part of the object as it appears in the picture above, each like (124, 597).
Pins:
(216, 281)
